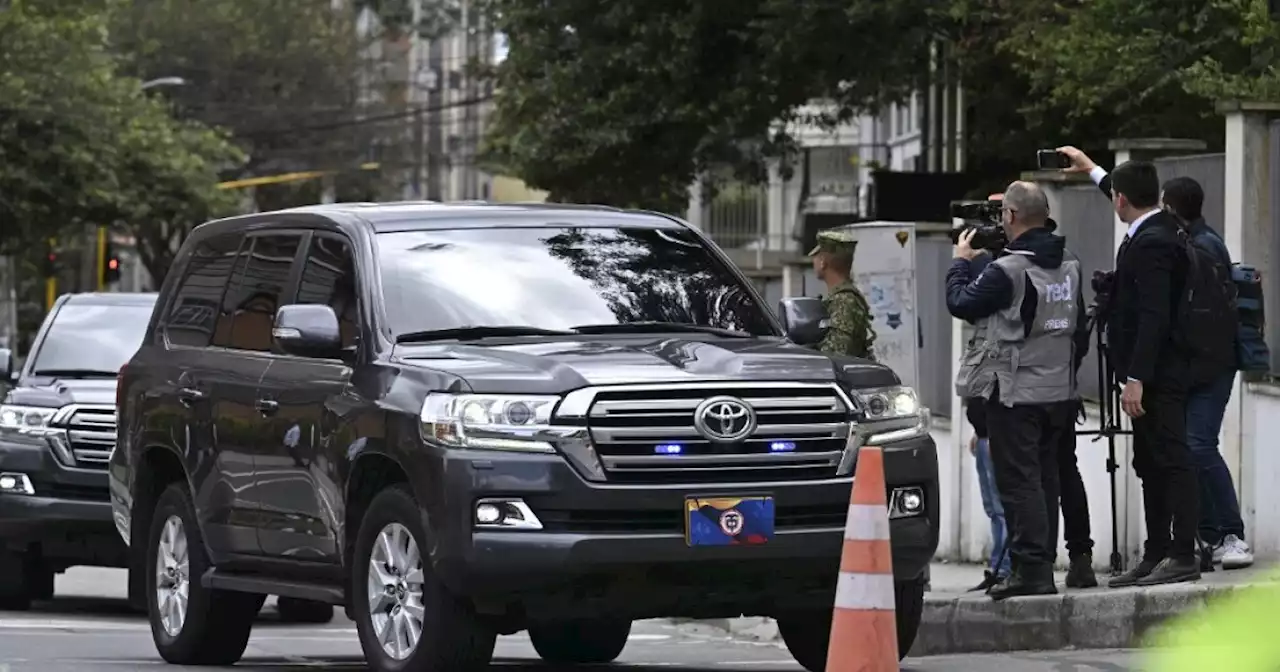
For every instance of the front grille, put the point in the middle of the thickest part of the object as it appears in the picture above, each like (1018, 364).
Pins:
(801, 433)
(90, 435)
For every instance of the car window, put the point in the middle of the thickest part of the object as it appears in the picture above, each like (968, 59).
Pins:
(328, 278)
(197, 300)
(559, 278)
(115, 330)
(254, 294)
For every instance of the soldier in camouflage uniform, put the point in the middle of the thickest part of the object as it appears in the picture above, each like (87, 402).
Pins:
(849, 316)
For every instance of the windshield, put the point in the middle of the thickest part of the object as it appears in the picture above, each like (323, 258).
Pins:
(559, 278)
(91, 340)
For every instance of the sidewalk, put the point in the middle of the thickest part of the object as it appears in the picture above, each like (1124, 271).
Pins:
(956, 621)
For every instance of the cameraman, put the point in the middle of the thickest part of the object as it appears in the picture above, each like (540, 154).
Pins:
(1023, 364)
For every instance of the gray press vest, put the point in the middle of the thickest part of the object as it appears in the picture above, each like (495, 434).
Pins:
(1037, 368)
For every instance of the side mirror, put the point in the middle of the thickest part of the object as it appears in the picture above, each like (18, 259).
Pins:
(308, 330)
(7, 374)
(804, 319)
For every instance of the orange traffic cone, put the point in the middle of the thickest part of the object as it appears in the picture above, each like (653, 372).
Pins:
(864, 634)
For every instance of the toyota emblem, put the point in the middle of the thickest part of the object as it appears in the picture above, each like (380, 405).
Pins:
(724, 419)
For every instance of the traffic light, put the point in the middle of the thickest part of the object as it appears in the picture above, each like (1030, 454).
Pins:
(111, 264)
(50, 265)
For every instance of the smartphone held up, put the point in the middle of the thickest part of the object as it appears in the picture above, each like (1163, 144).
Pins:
(1052, 159)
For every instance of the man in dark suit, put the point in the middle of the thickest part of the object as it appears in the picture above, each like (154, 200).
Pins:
(1150, 272)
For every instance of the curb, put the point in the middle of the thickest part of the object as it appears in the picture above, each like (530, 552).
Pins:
(1084, 619)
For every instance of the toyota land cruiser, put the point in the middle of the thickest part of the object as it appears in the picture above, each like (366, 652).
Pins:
(460, 421)
(57, 428)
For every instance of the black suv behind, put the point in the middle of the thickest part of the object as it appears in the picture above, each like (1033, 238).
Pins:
(468, 420)
(57, 429)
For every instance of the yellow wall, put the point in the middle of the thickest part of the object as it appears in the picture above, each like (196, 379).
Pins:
(511, 190)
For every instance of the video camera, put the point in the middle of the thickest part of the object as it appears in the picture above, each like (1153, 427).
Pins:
(984, 219)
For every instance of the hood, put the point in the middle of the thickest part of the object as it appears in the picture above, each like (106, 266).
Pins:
(556, 366)
(1045, 249)
(58, 392)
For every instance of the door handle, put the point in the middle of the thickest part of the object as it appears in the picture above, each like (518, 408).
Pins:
(189, 396)
(267, 406)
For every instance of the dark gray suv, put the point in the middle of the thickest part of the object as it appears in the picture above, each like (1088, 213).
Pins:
(460, 421)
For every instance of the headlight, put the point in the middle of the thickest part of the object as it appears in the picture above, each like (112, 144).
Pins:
(489, 421)
(25, 419)
(888, 403)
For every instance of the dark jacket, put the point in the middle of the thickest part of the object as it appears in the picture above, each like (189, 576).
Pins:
(978, 289)
(1150, 272)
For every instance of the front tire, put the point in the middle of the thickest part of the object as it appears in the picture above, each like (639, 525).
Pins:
(807, 634)
(407, 619)
(15, 586)
(580, 642)
(191, 624)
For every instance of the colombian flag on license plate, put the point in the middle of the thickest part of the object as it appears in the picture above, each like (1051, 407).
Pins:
(728, 521)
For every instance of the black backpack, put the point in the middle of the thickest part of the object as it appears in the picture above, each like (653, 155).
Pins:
(1207, 320)
(1252, 353)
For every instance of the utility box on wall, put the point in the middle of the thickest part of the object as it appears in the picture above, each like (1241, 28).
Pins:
(900, 267)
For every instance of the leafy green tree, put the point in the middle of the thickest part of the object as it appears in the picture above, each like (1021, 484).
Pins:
(1137, 66)
(625, 102)
(283, 77)
(80, 144)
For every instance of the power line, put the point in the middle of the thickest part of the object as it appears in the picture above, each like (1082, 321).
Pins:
(409, 112)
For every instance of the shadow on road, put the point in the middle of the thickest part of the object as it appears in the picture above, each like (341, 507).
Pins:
(118, 608)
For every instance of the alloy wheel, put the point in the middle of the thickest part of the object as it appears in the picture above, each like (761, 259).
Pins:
(395, 591)
(173, 582)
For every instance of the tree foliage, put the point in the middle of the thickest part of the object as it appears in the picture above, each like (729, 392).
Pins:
(82, 144)
(281, 76)
(625, 102)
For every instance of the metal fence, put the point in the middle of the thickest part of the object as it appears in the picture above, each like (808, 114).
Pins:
(737, 215)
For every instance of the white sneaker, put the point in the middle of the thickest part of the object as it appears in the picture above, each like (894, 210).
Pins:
(1235, 553)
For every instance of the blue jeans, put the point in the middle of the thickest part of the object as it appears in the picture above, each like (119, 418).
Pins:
(1219, 508)
(999, 563)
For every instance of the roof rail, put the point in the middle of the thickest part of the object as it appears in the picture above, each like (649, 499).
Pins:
(564, 206)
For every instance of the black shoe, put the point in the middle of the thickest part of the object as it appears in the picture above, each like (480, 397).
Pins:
(1172, 571)
(1133, 576)
(1021, 583)
(990, 579)
(1206, 555)
(1080, 574)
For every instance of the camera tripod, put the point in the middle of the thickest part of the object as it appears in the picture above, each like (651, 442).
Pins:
(1108, 425)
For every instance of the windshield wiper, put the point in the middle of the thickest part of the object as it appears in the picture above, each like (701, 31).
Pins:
(74, 373)
(476, 332)
(656, 327)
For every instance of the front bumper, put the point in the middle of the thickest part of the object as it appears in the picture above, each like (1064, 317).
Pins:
(67, 519)
(621, 549)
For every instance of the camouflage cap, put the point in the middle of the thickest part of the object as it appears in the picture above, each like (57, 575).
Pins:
(834, 241)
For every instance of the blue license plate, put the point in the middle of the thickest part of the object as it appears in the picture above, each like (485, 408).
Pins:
(728, 521)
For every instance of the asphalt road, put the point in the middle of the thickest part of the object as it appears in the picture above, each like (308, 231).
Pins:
(87, 628)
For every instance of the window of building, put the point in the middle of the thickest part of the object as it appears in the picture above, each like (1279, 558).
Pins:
(254, 293)
(194, 312)
(329, 278)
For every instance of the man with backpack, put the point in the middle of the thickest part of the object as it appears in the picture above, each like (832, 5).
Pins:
(1150, 341)
(1221, 527)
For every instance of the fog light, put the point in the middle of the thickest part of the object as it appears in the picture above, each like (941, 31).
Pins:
(906, 502)
(488, 513)
(505, 514)
(911, 502)
(16, 484)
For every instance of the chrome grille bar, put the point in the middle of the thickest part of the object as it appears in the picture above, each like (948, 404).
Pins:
(802, 432)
